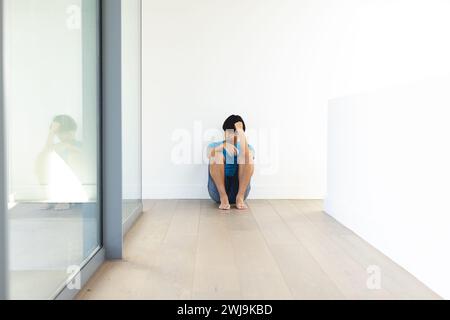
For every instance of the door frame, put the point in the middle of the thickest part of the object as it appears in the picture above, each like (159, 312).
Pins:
(4, 287)
(110, 113)
(110, 171)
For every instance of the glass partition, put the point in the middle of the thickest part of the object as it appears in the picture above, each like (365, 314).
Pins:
(52, 105)
(131, 108)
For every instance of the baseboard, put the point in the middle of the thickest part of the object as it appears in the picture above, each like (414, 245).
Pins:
(131, 220)
(187, 192)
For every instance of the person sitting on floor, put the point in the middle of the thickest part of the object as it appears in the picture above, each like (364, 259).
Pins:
(231, 166)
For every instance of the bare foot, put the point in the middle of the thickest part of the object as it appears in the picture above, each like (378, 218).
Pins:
(240, 203)
(224, 204)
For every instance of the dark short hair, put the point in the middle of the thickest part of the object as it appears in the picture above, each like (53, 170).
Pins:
(67, 123)
(229, 124)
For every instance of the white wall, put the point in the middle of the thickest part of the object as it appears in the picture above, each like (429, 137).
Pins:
(205, 60)
(278, 63)
(389, 174)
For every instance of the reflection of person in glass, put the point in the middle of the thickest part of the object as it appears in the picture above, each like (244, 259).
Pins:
(59, 164)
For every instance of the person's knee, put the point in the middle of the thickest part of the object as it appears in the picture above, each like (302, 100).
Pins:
(249, 167)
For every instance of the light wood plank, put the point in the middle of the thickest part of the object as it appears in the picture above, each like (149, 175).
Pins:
(302, 273)
(116, 280)
(142, 246)
(172, 272)
(216, 274)
(145, 238)
(278, 249)
(271, 225)
(348, 275)
(397, 281)
(259, 274)
(313, 210)
(185, 220)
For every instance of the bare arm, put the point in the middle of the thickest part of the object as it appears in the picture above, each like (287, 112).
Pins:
(245, 154)
(215, 154)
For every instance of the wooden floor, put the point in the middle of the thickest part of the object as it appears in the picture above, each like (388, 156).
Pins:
(276, 250)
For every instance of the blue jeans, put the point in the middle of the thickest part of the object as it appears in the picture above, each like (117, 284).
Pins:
(231, 186)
